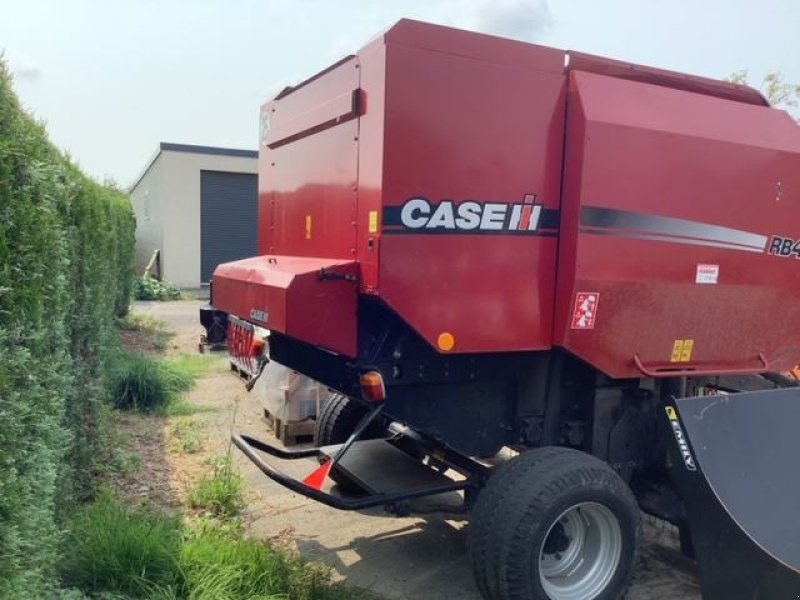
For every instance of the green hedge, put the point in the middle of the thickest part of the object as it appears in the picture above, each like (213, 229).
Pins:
(66, 267)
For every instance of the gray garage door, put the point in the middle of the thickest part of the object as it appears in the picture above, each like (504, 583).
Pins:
(228, 218)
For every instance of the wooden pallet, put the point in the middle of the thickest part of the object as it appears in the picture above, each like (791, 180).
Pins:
(291, 433)
(240, 371)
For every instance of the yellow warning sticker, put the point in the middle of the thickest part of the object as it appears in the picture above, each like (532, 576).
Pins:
(671, 414)
(682, 351)
(686, 353)
(308, 227)
(373, 221)
(677, 351)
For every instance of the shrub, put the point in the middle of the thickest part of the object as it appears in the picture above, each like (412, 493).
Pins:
(222, 492)
(143, 383)
(66, 263)
(116, 549)
(150, 288)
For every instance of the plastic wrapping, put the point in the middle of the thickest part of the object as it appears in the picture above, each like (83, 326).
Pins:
(289, 395)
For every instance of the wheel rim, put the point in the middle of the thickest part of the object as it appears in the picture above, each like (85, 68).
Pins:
(580, 553)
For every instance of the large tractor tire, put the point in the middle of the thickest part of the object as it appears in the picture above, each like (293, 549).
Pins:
(554, 524)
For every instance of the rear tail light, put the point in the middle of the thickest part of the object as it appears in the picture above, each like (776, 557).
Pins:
(372, 387)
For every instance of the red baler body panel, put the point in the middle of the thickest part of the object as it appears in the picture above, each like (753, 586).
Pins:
(308, 168)
(471, 118)
(659, 181)
(286, 293)
(479, 187)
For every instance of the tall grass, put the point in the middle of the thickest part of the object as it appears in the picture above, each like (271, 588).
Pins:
(222, 492)
(112, 548)
(219, 564)
(188, 435)
(143, 383)
(121, 552)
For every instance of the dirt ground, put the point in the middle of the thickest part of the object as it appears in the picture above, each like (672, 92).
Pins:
(409, 558)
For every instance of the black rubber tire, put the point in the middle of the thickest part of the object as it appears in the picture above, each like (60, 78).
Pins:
(337, 419)
(517, 506)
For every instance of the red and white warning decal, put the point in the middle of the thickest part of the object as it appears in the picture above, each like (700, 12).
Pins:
(585, 311)
(707, 274)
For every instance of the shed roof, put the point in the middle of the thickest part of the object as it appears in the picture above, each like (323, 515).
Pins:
(192, 149)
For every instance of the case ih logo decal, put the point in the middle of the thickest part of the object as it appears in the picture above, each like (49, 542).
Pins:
(259, 315)
(420, 215)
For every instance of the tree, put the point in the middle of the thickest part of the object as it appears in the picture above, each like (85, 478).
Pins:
(779, 93)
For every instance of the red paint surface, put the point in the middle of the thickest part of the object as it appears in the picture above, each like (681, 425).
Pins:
(316, 174)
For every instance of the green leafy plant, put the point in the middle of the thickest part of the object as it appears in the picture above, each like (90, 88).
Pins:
(150, 288)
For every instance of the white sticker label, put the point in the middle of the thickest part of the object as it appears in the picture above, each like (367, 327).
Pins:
(707, 274)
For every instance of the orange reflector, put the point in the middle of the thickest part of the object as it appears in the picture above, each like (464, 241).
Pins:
(317, 479)
(257, 348)
(372, 387)
(446, 341)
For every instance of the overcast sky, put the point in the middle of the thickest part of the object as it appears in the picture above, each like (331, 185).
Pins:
(114, 78)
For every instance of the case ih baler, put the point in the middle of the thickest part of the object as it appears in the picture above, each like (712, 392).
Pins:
(481, 244)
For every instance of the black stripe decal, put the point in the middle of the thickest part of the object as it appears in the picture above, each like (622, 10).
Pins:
(621, 223)
(670, 239)
(511, 232)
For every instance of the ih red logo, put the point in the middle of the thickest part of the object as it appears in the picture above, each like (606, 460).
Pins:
(585, 310)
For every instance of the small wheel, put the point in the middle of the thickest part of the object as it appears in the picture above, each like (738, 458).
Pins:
(554, 524)
(338, 417)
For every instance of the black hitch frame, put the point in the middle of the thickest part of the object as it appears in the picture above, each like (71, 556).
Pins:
(251, 446)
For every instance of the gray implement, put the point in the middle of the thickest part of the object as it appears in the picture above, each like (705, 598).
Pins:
(734, 459)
